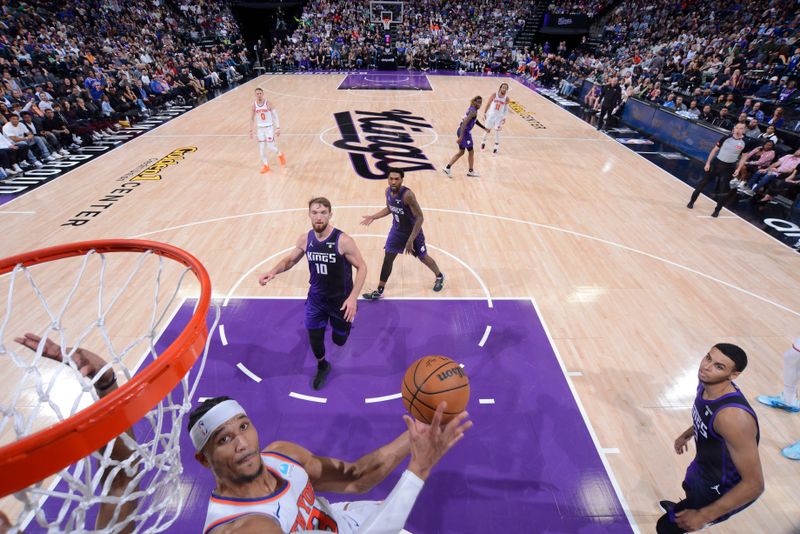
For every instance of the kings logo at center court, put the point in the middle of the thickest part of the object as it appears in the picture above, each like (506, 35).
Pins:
(379, 141)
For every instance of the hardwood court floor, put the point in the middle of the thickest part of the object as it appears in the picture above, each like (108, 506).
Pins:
(633, 287)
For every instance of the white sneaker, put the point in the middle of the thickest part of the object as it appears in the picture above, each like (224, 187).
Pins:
(16, 168)
(473, 174)
(25, 165)
(38, 163)
(448, 172)
(56, 155)
(64, 152)
(10, 172)
(49, 158)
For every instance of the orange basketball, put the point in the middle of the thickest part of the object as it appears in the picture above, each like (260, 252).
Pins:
(431, 380)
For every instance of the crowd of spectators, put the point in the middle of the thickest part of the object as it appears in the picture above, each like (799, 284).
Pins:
(435, 34)
(707, 60)
(74, 70)
(590, 8)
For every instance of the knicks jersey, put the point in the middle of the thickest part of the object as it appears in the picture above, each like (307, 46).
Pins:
(293, 505)
(499, 105)
(402, 219)
(263, 114)
(712, 465)
(331, 274)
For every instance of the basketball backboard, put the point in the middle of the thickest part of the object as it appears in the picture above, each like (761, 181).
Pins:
(380, 10)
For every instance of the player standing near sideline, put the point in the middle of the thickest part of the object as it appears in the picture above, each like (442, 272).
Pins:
(265, 117)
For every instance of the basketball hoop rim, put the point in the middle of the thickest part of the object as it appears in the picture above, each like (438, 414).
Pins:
(35, 457)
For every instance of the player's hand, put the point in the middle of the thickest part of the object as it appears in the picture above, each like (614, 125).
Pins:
(707, 167)
(682, 444)
(265, 278)
(429, 443)
(366, 220)
(691, 520)
(409, 247)
(736, 173)
(88, 363)
(349, 308)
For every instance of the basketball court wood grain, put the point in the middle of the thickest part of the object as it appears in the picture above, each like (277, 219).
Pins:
(633, 287)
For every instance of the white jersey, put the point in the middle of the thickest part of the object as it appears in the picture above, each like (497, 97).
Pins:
(294, 505)
(264, 114)
(499, 105)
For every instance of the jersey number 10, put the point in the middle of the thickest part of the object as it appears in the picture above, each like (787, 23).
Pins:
(321, 268)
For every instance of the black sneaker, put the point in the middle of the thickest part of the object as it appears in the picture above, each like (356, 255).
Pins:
(690, 205)
(666, 505)
(321, 376)
(374, 295)
(439, 283)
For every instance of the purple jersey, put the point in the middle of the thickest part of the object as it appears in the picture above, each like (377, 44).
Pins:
(713, 466)
(403, 219)
(331, 274)
(471, 123)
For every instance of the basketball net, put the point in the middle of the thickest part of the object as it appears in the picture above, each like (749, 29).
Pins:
(387, 24)
(43, 392)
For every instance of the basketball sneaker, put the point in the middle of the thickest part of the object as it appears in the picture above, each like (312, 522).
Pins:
(473, 174)
(322, 375)
(483, 147)
(373, 295)
(264, 169)
(282, 159)
(776, 401)
(666, 505)
(792, 452)
(439, 283)
(448, 172)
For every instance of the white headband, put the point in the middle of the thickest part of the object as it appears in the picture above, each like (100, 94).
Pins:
(211, 420)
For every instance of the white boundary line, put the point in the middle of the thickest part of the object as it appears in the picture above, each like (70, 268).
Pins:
(485, 401)
(574, 373)
(321, 400)
(248, 372)
(222, 335)
(510, 219)
(674, 178)
(371, 400)
(623, 503)
(486, 332)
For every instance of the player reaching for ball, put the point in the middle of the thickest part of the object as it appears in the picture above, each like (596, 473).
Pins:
(272, 490)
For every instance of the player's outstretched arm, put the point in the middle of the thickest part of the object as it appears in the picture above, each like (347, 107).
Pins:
(428, 444)
(348, 248)
(682, 441)
(340, 476)
(287, 262)
(366, 220)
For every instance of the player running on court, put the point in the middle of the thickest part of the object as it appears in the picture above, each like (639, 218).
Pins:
(332, 294)
(406, 233)
(265, 118)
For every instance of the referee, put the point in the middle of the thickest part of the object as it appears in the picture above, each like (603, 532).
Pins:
(720, 164)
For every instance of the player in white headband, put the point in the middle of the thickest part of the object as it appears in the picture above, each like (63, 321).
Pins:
(272, 491)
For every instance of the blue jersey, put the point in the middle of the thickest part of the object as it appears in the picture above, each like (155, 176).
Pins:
(403, 219)
(331, 275)
(712, 466)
